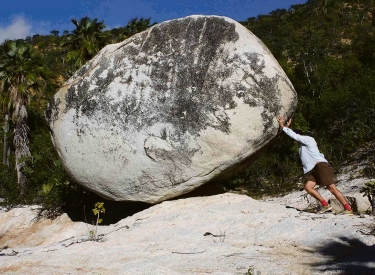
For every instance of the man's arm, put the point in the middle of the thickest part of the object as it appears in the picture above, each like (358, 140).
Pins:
(285, 127)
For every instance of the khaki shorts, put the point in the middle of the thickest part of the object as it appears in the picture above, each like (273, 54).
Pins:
(322, 174)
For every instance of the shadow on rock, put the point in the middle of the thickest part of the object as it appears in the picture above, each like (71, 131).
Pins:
(116, 211)
(346, 256)
(208, 189)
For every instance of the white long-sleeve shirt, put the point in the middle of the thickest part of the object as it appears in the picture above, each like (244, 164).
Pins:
(308, 150)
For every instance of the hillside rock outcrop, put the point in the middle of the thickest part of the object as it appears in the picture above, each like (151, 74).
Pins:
(185, 102)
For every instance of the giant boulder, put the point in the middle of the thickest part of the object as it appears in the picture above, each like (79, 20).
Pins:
(185, 102)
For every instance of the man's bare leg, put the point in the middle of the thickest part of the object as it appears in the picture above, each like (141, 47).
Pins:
(309, 188)
(336, 192)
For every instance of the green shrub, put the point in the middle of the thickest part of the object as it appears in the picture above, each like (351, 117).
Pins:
(369, 191)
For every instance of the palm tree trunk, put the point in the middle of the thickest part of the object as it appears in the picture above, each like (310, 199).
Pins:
(21, 145)
(6, 130)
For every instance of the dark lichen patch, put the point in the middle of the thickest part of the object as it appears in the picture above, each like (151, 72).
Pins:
(87, 97)
(187, 54)
(265, 92)
(52, 112)
(89, 107)
(83, 70)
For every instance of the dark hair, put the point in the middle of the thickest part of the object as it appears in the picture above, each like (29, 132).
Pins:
(298, 131)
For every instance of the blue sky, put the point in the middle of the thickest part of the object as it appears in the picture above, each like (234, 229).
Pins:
(21, 18)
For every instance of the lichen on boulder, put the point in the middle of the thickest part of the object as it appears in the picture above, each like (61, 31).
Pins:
(169, 109)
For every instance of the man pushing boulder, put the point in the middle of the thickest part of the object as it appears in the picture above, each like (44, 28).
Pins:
(317, 168)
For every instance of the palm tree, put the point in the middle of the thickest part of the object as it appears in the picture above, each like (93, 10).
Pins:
(4, 108)
(21, 73)
(136, 25)
(85, 41)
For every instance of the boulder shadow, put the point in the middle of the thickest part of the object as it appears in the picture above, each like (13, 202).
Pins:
(205, 190)
(115, 211)
(346, 256)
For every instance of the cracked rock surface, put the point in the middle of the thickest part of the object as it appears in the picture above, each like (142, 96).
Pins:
(183, 103)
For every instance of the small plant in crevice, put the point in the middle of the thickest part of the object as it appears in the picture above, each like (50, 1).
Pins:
(97, 210)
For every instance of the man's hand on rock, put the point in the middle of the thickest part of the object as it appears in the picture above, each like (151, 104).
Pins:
(282, 121)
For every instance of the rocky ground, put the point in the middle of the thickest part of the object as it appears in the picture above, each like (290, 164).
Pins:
(221, 234)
